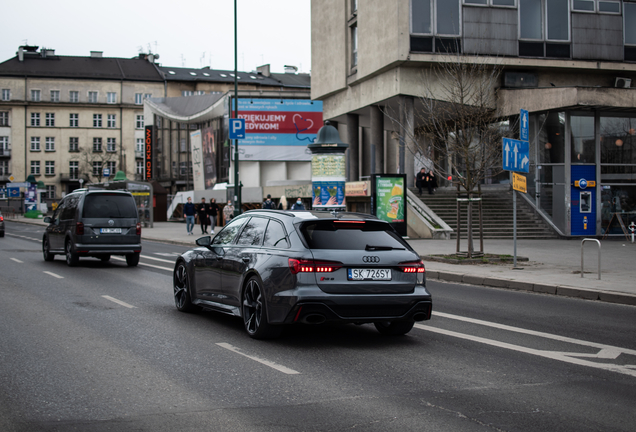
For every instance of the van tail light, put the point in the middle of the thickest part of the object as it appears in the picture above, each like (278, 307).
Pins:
(1, 218)
(312, 266)
(138, 230)
(79, 228)
(412, 267)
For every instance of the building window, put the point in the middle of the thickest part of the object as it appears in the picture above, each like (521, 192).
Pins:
(147, 95)
(35, 167)
(6, 94)
(73, 144)
(629, 16)
(140, 122)
(35, 143)
(446, 12)
(97, 120)
(491, 2)
(97, 168)
(140, 145)
(4, 145)
(49, 144)
(73, 120)
(35, 95)
(55, 95)
(35, 119)
(73, 96)
(49, 168)
(4, 118)
(140, 167)
(73, 169)
(601, 6)
(138, 98)
(557, 20)
(4, 168)
(49, 119)
(50, 191)
(187, 93)
(97, 144)
(92, 97)
(112, 166)
(354, 46)
(111, 122)
(111, 145)
(111, 97)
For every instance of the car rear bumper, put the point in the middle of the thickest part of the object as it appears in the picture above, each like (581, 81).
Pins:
(318, 307)
(106, 249)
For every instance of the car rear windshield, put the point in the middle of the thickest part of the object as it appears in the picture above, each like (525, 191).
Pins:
(356, 235)
(109, 206)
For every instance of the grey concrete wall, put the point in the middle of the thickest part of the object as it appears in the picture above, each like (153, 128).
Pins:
(597, 36)
(490, 31)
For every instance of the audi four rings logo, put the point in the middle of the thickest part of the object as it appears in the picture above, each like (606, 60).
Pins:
(370, 259)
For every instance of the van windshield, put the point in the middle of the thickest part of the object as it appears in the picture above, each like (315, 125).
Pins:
(357, 235)
(109, 206)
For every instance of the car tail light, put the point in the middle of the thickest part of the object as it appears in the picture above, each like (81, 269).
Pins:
(1, 218)
(412, 267)
(313, 266)
(79, 228)
(138, 231)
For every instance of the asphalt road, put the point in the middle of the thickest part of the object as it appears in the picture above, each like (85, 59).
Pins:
(100, 347)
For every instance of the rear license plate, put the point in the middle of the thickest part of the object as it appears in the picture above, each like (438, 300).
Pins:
(369, 274)
(110, 231)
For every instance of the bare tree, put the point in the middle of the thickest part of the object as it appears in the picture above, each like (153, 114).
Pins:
(457, 125)
(93, 160)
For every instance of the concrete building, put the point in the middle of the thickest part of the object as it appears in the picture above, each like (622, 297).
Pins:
(571, 63)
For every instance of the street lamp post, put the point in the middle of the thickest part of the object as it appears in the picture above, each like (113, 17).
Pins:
(237, 184)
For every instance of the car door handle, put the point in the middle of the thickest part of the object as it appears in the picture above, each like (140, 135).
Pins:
(245, 259)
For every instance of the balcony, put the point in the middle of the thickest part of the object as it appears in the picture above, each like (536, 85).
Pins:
(5, 152)
(139, 154)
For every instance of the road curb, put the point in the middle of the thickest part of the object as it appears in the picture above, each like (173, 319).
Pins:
(559, 290)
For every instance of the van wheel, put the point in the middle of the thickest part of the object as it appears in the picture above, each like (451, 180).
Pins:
(71, 257)
(46, 250)
(394, 328)
(132, 259)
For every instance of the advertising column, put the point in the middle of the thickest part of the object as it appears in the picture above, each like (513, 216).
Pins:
(388, 199)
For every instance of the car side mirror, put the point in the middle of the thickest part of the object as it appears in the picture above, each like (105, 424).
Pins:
(204, 241)
(47, 219)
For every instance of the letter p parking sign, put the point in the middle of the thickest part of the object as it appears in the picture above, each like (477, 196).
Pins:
(237, 128)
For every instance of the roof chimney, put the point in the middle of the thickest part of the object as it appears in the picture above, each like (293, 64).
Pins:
(97, 54)
(21, 54)
(291, 69)
(263, 70)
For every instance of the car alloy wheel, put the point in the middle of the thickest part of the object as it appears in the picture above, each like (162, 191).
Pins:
(46, 250)
(255, 314)
(71, 258)
(182, 289)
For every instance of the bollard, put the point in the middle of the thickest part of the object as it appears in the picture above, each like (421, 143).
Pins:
(599, 256)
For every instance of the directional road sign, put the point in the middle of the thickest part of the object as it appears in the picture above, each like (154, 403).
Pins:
(516, 155)
(237, 128)
(523, 127)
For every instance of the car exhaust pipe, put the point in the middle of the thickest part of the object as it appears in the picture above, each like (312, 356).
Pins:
(314, 319)
(420, 316)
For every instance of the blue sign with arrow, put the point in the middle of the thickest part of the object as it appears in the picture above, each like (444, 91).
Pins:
(523, 126)
(237, 128)
(516, 155)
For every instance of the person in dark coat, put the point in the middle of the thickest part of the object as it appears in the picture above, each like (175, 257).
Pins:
(431, 182)
(202, 212)
(213, 211)
(298, 205)
(188, 211)
(419, 180)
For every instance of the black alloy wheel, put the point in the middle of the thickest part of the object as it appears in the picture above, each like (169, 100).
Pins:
(46, 250)
(255, 314)
(394, 328)
(182, 289)
(71, 258)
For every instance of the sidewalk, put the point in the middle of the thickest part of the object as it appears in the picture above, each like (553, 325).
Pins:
(553, 268)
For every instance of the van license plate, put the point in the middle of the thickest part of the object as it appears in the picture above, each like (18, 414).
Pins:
(369, 274)
(110, 231)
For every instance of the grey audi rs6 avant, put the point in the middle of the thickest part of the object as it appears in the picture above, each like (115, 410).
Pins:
(275, 268)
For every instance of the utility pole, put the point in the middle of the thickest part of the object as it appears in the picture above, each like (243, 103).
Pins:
(237, 185)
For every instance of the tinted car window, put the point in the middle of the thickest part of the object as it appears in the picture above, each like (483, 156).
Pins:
(70, 204)
(109, 206)
(252, 234)
(350, 236)
(229, 233)
(275, 235)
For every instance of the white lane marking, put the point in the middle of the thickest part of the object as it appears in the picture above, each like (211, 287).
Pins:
(536, 333)
(54, 275)
(119, 302)
(147, 265)
(24, 237)
(158, 259)
(17, 260)
(560, 356)
(273, 365)
(168, 254)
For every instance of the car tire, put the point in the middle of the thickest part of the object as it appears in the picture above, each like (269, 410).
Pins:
(104, 258)
(1, 233)
(181, 283)
(132, 259)
(254, 311)
(394, 328)
(71, 257)
(46, 250)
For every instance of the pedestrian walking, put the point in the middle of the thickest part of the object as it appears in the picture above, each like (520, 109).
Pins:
(213, 211)
(298, 205)
(188, 211)
(282, 203)
(228, 212)
(268, 204)
(419, 180)
(202, 212)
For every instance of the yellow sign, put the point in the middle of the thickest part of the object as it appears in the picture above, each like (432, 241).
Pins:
(359, 188)
(140, 193)
(519, 183)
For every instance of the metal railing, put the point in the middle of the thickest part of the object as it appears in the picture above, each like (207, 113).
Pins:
(599, 256)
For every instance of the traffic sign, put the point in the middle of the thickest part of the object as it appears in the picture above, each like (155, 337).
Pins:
(519, 182)
(19, 185)
(237, 128)
(106, 172)
(516, 155)
(523, 126)
(14, 192)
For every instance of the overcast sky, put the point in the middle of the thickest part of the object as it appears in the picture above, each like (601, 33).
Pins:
(185, 33)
